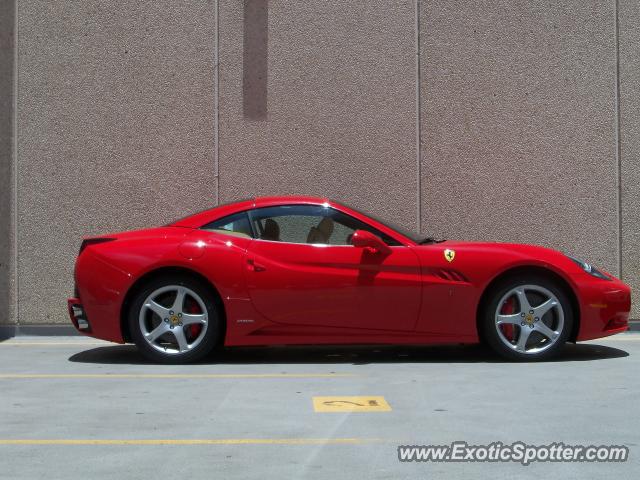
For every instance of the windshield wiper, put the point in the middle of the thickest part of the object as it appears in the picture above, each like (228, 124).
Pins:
(429, 240)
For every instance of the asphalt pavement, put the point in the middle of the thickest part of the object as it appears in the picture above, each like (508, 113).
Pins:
(76, 407)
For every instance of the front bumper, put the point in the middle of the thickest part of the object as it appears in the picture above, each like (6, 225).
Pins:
(605, 307)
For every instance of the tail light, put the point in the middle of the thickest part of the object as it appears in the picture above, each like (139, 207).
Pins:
(94, 241)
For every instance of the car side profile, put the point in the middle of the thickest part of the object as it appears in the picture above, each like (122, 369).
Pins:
(306, 270)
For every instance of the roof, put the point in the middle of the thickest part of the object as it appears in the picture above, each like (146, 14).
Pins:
(275, 200)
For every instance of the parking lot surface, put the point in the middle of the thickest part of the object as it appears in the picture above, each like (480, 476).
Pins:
(80, 408)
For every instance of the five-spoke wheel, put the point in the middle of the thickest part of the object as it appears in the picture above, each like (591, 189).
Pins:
(527, 318)
(174, 320)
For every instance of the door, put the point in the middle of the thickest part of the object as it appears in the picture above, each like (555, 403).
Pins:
(302, 270)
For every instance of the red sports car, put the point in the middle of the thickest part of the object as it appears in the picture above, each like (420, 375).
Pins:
(302, 270)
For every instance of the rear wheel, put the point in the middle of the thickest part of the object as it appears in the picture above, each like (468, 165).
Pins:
(527, 318)
(174, 320)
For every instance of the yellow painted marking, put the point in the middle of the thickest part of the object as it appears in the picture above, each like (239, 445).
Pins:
(54, 344)
(350, 404)
(619, 337)
(175, 375)
(204, 441)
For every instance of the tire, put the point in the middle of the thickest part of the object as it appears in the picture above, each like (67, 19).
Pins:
(175, 319)
(532, 327)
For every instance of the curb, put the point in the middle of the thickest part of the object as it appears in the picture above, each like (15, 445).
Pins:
(9, 331)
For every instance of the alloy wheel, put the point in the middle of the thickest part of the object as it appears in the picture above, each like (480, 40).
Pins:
(529, 319)
(173, 319)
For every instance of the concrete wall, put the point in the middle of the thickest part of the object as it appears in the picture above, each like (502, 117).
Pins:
(506, 131)
(6, 165)
(341, 105)
(629, 32)
(116, 128)
(519, 123)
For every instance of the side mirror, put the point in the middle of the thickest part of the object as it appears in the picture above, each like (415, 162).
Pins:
(370, 242)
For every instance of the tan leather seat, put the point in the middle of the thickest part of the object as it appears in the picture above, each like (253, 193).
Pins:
(271, 230)
(322, 232)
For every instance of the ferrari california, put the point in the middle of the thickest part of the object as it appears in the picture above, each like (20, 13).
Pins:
(303, 270)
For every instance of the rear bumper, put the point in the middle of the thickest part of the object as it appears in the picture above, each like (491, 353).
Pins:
(605, 308)
(99, 294)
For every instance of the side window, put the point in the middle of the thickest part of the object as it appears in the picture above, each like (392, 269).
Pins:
(314, 224)
(237, 225)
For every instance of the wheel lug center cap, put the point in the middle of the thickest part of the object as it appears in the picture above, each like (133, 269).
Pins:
(174, 319)
(529, 319)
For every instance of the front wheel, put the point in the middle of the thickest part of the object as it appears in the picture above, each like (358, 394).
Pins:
(174, 320)
(527, 318)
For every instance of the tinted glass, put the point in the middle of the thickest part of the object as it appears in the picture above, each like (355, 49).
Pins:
(236, 224)
(309, 224)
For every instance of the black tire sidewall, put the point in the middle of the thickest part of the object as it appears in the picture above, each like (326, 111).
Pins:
(212, 335)
(489, 331)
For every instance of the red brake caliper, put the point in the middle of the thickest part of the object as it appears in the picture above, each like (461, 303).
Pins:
(194, 329)
(508, 308)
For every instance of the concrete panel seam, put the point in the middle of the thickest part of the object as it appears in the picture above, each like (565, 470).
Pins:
(618, 135)
(14, 153)
(216, 103)
(418, 121)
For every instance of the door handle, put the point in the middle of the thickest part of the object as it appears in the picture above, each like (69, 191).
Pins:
(255, 267)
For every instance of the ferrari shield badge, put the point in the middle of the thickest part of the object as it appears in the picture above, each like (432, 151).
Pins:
(449, 255)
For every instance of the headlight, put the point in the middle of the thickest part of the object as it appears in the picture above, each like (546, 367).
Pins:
(590, 269)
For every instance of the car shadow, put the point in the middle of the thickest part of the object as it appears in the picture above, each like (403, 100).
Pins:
(355, 355)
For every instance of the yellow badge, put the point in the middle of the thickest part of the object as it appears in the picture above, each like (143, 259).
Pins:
(449, 255)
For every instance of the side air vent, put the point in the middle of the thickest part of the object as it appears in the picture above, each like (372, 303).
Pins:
(449, 275)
